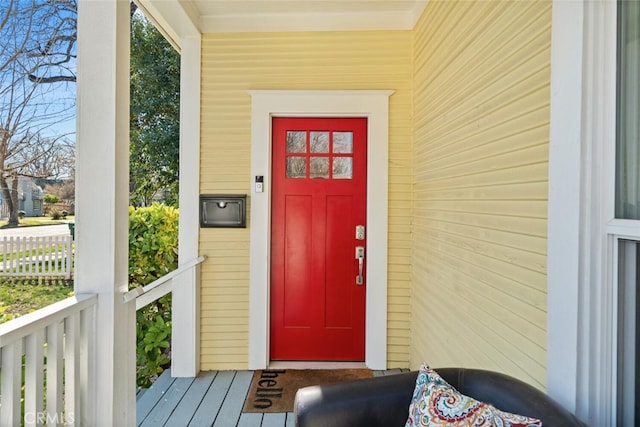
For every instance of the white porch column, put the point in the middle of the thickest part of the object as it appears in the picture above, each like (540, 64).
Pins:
(185, 339)
(582, 286)
(102, 195)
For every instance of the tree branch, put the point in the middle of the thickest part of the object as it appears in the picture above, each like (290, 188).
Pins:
(54, 79)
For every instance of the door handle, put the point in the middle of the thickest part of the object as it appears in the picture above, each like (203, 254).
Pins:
(360, 258)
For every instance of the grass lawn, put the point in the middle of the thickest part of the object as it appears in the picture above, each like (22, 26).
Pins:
(39, 220)
(21, 296)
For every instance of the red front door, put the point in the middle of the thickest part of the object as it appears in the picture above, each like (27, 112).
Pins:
(319, 199)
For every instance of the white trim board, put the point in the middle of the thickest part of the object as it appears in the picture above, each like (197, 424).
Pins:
(372, 104)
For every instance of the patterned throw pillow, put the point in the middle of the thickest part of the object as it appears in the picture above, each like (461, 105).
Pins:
(436, 403)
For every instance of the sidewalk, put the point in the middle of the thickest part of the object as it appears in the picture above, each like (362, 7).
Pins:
(42, 230)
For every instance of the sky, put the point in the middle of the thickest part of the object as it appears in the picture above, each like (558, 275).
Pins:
(67, 122)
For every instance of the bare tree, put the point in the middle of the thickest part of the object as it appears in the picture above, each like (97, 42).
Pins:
(37, 46)
(46, 157)
(55, 44)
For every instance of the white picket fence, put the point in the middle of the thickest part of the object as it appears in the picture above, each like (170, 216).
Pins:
(48, 256)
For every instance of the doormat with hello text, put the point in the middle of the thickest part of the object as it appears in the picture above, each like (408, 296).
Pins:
(274, 390)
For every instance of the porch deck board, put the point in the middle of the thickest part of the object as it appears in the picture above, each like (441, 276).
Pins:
(214, 398)
(211, 403)
(250, 419)
(266, 420)
(172, 397)
(151, 396)
(229, 413)
(274, 420)
(192, 399)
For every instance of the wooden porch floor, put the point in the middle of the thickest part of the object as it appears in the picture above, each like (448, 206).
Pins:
(213, 398)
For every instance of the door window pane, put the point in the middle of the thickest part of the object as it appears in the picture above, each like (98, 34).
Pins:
(628, 321)
(628, 112)
(342, 167)
(296, 141)
(343, 142)
(319, 167)
(296, 167)
(319, 142)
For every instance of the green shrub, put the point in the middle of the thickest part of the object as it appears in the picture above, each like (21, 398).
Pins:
(153, 252)
(51, 198)
(153, 243)
(55, 214)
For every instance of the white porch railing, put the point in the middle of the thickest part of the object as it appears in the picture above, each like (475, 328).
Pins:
(47, 358)
(47, 256)
(159, 287)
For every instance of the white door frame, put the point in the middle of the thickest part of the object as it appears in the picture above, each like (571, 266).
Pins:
(372, 104)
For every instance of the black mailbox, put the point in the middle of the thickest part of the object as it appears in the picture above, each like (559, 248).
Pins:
(223, 210)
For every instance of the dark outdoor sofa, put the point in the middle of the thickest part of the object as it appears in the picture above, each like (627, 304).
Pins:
(384, 401)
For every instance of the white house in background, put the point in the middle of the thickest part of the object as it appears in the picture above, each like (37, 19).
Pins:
(30, 198)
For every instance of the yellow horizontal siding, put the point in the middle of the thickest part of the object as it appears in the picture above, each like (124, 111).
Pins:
(480, 161)
(235, 63)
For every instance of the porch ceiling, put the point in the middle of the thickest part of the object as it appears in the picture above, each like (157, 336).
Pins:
(209, 16)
